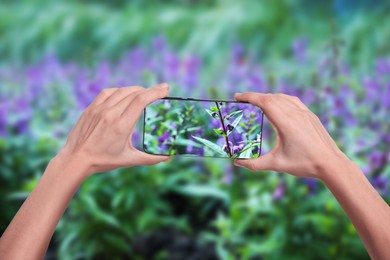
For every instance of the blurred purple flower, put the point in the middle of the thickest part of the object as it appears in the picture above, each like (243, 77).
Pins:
(380, 183)
(387, 138)
(309, 96)
(159, 43)
(238, 53)
(279, 191)
(299, 48)
(136, 139)
(22, 110)
(171, 66)
(376, 159)
(257, 83)
(229, 176)
(373, 89)
(334, 105)
(190, 149)
(385, 99)
(383, 67)
(4, 111)
(191, 73)
(35, 81)
(311, 185)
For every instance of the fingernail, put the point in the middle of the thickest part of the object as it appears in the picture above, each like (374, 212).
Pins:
(237, 94)
(236, 163)
(164, 85)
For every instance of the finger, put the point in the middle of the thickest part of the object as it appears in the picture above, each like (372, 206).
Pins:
(266, 102)
(120, 94)
(103, 95)
(285, 101)
(148, 159)
(122, 104)
(144, 98)
(263, 163)
(257, 99)
(292, 101)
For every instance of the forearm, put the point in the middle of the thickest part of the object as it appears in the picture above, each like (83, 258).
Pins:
(29, 233)
(368, 212)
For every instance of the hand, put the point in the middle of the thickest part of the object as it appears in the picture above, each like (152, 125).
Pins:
(101, 139)
(303, 147)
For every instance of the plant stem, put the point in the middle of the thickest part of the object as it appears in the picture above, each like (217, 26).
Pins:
(224, 130)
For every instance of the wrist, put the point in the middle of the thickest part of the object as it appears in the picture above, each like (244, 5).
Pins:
(335, 167)
(75, 165)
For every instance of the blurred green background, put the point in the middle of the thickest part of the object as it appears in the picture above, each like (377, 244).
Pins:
(57, 55)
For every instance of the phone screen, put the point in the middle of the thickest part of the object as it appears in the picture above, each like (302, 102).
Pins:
(206, 128)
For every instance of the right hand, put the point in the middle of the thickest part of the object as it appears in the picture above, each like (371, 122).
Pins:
(303, 147)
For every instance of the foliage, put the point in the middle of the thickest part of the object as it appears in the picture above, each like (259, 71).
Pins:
(224, 129)
(80, 29)
(198, 203)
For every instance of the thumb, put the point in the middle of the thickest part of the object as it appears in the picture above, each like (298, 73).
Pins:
(141, 158)
(263, 163)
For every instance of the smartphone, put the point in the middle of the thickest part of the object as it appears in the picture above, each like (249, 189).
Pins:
(205, 128)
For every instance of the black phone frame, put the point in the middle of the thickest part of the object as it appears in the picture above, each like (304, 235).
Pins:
(207, 100)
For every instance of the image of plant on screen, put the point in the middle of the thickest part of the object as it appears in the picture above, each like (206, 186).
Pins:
(203, 128)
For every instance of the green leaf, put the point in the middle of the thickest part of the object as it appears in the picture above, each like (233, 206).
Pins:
(212, 114)
(190, 129)
(210, 145)
(194, 190)
(243, 125)
(152, 121)
(168, 125)
(254, 127)
(233, 114)
(246, 152)
(186, 142)
(219, 132)
(214, 109)
(235, 123)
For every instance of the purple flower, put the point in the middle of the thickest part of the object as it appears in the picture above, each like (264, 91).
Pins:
(309, 96)
(387, 139)
(237, 148)
(164, 137)
(385, 99)
(228, 177)
(238, 53)
(159, 43)
(383, 67)
(190, 149)
(311, 185)
(373, 89)
(279, 191)
(380, 183)
(171, 65)
(136, 139)
(299, 49)
(4, 110)
(22, 111)
(376, 159)
(191, 70)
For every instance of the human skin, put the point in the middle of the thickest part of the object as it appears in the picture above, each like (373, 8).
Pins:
(304, 148)
(99, 142)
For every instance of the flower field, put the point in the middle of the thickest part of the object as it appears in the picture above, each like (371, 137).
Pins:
(194, 207)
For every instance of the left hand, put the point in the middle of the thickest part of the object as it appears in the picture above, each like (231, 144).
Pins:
(101, 139)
